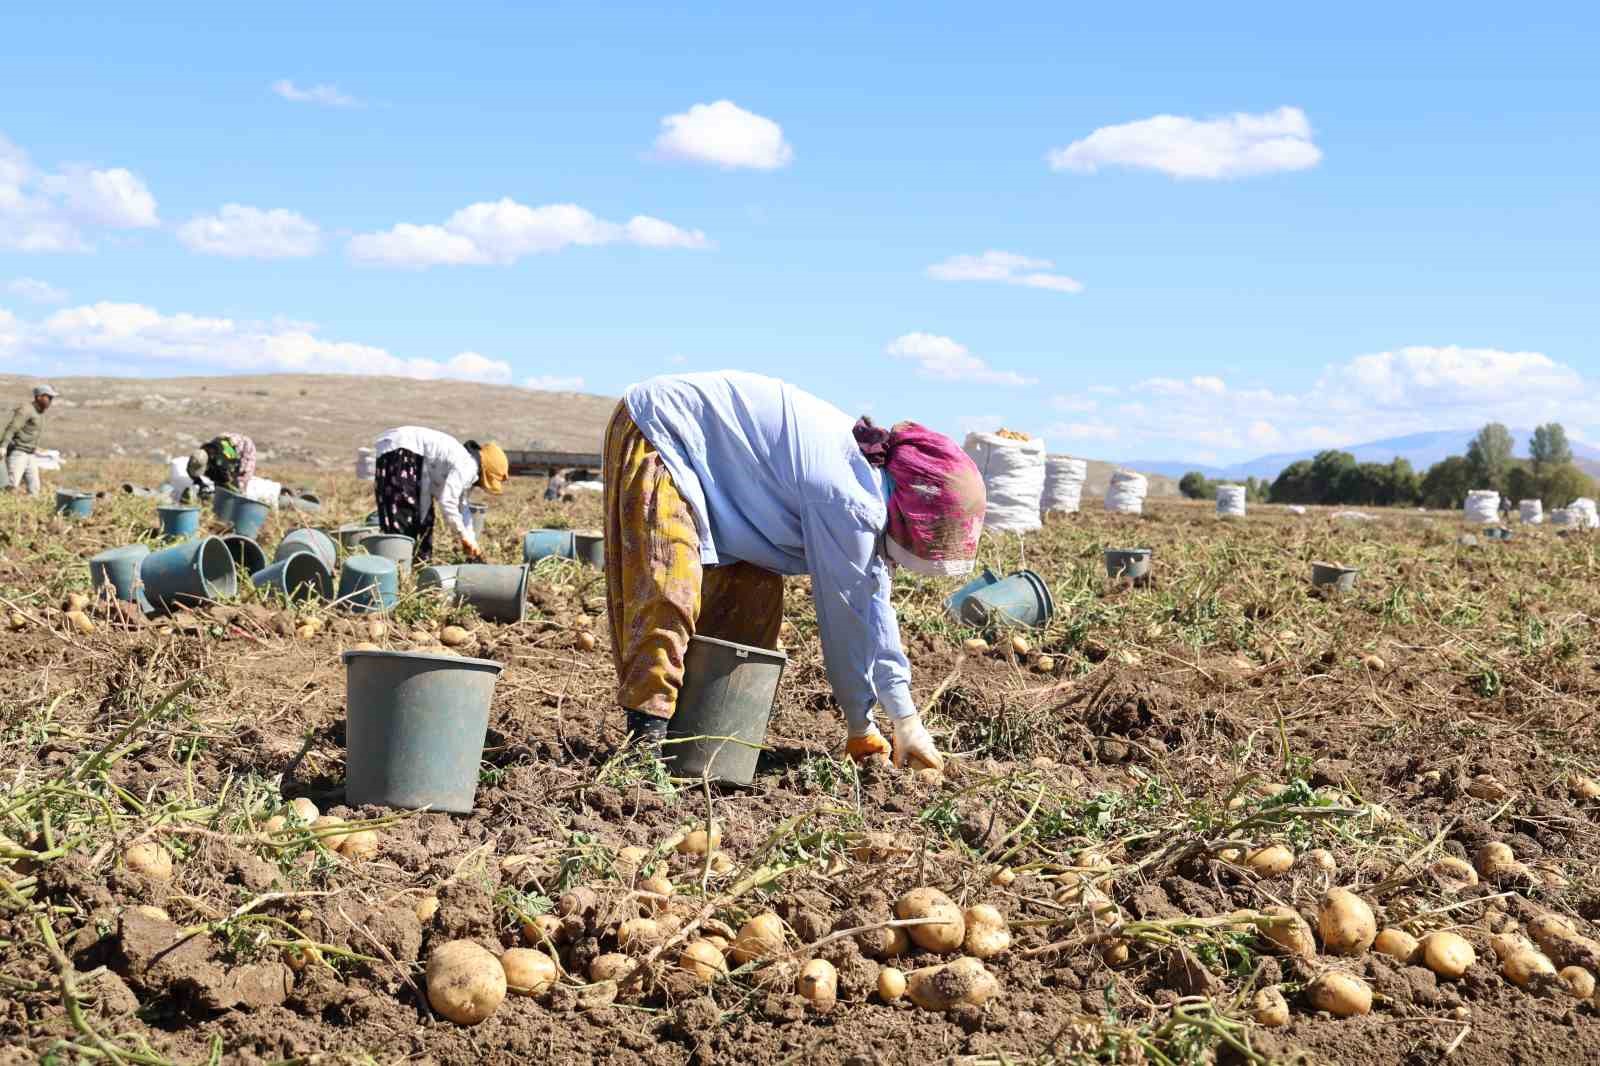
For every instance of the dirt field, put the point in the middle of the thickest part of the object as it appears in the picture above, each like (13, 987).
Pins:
(1110, 799)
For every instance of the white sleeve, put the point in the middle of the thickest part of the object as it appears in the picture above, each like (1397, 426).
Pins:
(452, 496)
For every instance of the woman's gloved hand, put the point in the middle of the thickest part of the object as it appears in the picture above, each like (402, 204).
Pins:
(471, 550)
(867, 744)
(913, 746)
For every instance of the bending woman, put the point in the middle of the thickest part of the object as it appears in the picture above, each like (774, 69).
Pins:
(416, 466)
(718, 485)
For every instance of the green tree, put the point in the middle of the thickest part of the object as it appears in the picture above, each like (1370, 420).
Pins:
(1548, 446)
(1565, 483)
(1405, 487)
(1446, 483)
(1293, 484)
(1196, 486)
(1329, 470)
(1523, 484)
(1489, 456)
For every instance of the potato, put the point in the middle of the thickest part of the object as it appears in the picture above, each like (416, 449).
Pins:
(1114, 952)
(466, 984)
(610, 967)
(1487, 787)
(1269, 1008)
(1524, 968)
(759, 937)
(541, 928)
(1373, 662)
(1397, 944)
(1003, 877)
(1270, 861)
(307, 632)
(304, 810)
(702, 960)
(1346, 921)
(636, 933)
(1577, 980)
(891, 984)
(1494, 857)
(360, 845)
(426, 908)
(75, 601)
(987, 932)
(1454, 873)
(1342, 995)
(1320, 860)
(698, 841)
(528, 972)
(1019, 646)
(454, 637)
(1289, 932)
(1044, 664)
(80, 622)
(818, 983)
(876, 848)
(364, 645)
(149, 859)
(964, 982)
(586, 641)
(1584, 788)
(1448, 954)
(1549, 930)
(580, 902)
(149, 911)
(17, 621)
(1506, 944)
(377, 630)
(975, 646)
(885, 942)
(944, 935)
(299, 956)
(629, 860)
(330, 832)
(661, 887)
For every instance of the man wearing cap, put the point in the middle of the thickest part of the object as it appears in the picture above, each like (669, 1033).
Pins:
(417, 466)
(20, 440)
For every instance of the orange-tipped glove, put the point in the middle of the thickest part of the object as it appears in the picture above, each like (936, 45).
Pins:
(913, 746)
(864, 746)
(472, 551)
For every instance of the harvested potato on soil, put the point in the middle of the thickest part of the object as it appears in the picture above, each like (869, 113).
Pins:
(1269, 1008)
(609, 967)
(466, 983)
(1494, 857)
(1448, 954)
(1523, 968)
(330, 832)
(454, 637)
(1270, 861)
(528, 972)
(891, 984)
(304, 810)
(1397, 944)
(426, 908)
(1003, 877)
(1487, 787)
(149, 859)
(540, 928)
(703, 961)
(637, 933)
(1577, 980)
(1346, 922)
(759, 937)
(946, 933)
(975, 646)
(80, 622)
(1289, 932)
(698, 841)
(1320, 860)
(1454, 873)
(1342, 995)
(964, 982)
(658, 886)
(818, 984)
(360, 845)
(987, 933)
(1584, 788)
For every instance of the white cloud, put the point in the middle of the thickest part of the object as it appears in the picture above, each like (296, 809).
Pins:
(1450, 376)
(49, 211)
(942, 359)
(1005, 267)
(1077, 405)
(240, 232)
(725, 134)
(130, 337)
(324, 95)
(1081, 431)
(1230, 146)
(35, 291)
(1264, 434)
(10, 334)
(552, 383)
(503, 231)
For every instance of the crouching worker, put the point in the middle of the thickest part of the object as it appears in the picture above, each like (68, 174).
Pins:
(718, 485)
(223, 462)
(416, 466)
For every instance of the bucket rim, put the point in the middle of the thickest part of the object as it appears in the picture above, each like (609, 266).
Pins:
(775, 653)
(122, 551)
(1336, 567)
(375, 565)
(1048, 601)
(175, 508)
(380, 535)
(422, 657)
(1129, 551)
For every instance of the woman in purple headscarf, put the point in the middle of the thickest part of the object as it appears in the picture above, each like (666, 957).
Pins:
(718, 485)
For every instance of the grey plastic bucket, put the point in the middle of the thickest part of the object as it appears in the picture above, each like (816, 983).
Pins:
(369, 583)
(1021, 599)
(297, 576)
(395, 547)
(74, 504)
(1130, 563)
(497, 593)
(306, 504)
(727, 694)
(119, 568)
(372, 519)
(179, 521)
(195, 572)
(414, 728)
(248, 516)
(543, 543)
(441, 578)
(246, 553)
(480, 515)
(310, 540)
(590, 548)
(352, 534)
(953, 602)
(1332, 575)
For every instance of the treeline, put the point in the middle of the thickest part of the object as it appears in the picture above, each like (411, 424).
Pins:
(1334, 477)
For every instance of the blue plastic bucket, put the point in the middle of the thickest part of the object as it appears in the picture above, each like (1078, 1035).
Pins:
(1021, 599)
(179, 521)
(414, 728)
(74, 504)
(590, 548)
(353, 533)
(222, 502)
(249, 516)
(543, 543)
(369, 583)
(246, 553)
(395, 547)
(119, 568)
(297, 576)
(953, 602)
(310, 540)
(1130, 563)
(196, 572)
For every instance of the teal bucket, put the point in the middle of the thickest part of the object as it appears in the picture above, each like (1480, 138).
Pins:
(954, 602)
(590, 548)
(727, 696)
(369, 584)
(222, 504)
(1021, 599)
(249, 516)
(246, 553)
(1130, 563)
(497, 593)
(119, 568)
(414, 728)
(395, 547)
(310, 540)
(74, 504)
(179, 521)
(297, 576)
(543, 543)
(189, 574)
(352, 534)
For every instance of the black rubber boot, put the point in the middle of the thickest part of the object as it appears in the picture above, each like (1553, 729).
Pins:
(645, 730)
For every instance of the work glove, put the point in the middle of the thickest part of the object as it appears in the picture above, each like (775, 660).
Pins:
(867, 744)
(913, 746)
(471, 550)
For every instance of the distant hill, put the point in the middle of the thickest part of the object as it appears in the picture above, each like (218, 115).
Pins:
(1421, 449)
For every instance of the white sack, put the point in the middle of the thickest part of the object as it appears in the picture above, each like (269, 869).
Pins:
(264, 491)
(1532, 511)
(1013, 478)
(1584, 514)
(1063, 484)
(1230, 501)
(366, 464)
(1126, 493)
(1483, 506)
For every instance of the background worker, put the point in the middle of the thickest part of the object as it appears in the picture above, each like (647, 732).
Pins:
(20, 440)
(227, 461)
(717, 485)
(416, 466)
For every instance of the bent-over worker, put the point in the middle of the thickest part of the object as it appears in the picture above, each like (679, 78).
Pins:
(20, 440)
(717, 485)
(226, 461)
(416, 466)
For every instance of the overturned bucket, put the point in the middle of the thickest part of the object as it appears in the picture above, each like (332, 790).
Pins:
(185, 575)
(74, 504)
(1131, 563)
(497, 593)
(119, 569)
(440, 579)
(246, 553)
(248, 516)
(369, 584)
(352, 534)
(1020, 599)
(222, 503)
(179, 521)
(395, 547)
(590, 548)
(298, 576)
(414, 728)
(953, 602)
(724, 705)
(310, 540)
(543, 543)
(1332, 575)
(480, 515)
(306, 504)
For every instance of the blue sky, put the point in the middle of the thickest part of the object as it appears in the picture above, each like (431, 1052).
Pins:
(1346, 225)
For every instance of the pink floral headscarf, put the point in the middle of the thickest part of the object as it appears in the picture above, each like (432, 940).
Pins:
(936, 501)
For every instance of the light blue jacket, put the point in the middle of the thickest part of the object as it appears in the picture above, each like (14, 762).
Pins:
(774, 478)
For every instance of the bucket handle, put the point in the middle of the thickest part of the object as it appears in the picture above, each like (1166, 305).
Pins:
(741, 653)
